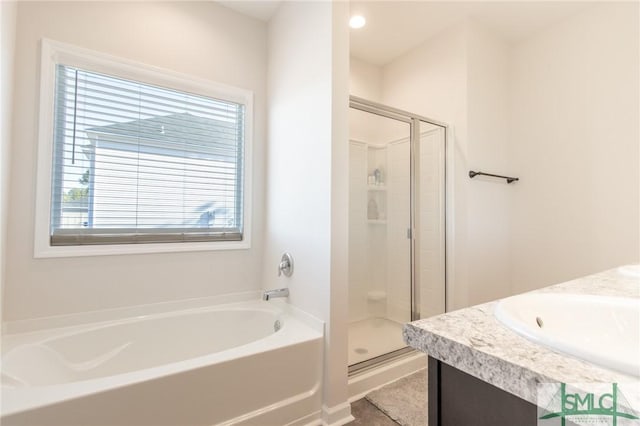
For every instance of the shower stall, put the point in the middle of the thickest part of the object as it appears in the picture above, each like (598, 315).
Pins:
(396, 228)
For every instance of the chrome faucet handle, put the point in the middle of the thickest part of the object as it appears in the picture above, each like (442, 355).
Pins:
(286, 265)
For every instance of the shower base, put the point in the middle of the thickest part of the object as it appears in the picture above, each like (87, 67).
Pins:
(373, 337)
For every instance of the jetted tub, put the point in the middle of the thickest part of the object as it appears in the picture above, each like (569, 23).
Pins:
(253, 362)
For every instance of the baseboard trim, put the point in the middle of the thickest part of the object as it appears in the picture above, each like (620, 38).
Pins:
(337, 415)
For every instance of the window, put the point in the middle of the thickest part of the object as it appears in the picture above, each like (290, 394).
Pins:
(133, 161)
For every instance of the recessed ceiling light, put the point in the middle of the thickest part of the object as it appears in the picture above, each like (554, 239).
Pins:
(357, 21)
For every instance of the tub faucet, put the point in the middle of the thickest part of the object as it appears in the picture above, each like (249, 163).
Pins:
(278, 292)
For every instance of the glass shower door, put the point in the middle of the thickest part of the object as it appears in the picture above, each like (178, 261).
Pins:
(397, 228)
(380, 290)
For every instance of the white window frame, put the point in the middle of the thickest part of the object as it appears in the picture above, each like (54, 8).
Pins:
(54, 53)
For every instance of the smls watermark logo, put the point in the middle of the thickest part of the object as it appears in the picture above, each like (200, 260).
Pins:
(586, 404)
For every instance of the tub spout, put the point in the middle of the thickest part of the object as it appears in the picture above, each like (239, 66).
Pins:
(279, 292)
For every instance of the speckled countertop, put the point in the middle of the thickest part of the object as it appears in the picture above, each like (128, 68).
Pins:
(472, 340)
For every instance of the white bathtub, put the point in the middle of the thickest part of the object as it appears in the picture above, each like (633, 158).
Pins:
(254, 363)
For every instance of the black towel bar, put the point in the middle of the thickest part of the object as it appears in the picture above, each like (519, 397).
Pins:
(509, 179)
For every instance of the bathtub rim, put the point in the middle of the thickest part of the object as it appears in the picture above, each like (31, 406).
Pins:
(99, 315)
(47, 324)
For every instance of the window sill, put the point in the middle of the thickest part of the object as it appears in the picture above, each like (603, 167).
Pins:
(48, 251)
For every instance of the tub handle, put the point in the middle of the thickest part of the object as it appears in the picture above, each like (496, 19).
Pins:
(286, 265)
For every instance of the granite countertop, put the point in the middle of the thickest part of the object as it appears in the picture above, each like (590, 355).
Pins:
(472, 340)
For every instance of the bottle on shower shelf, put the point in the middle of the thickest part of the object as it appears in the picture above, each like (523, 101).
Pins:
(377, 173)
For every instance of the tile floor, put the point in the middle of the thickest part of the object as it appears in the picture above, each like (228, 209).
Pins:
(367, 414)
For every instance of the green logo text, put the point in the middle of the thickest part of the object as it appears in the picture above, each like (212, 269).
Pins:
(582, 407)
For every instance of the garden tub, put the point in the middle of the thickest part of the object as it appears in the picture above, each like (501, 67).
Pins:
(252, 362)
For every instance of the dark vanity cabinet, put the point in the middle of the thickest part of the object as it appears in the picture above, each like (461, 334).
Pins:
(459, 399)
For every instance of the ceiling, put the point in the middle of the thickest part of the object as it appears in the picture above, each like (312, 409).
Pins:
(395, 27)
(259, 9)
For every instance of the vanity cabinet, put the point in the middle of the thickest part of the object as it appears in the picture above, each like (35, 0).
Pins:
(459, 399)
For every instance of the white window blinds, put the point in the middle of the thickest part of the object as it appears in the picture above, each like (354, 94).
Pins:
(137, 163)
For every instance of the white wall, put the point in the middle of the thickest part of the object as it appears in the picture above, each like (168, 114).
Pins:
(298, 203)
(197, 38)
(306, 204)
(574, 142)
(8, 18)
(488, 200)
(365, 80)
